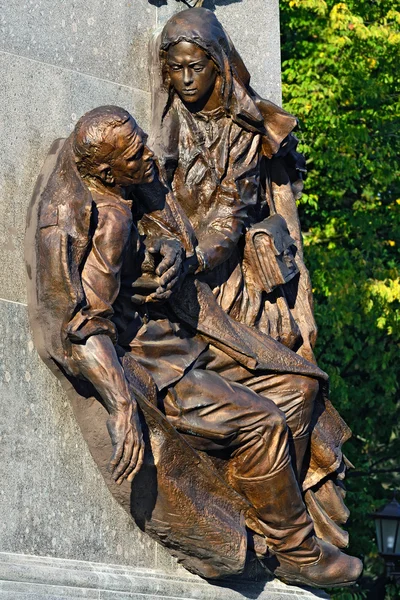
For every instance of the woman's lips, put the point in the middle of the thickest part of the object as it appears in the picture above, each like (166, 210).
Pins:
(190, 92)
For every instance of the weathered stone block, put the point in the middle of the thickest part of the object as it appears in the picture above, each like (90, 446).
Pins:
(106, 39)
(53, 500)
(31, 577)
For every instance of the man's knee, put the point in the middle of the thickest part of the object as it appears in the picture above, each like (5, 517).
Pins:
(256, 414)
(270, 421)
(307, 389)
(228, 409)
(263, 448)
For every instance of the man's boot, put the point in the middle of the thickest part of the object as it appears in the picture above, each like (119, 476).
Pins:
(299, 557)
(332, 568)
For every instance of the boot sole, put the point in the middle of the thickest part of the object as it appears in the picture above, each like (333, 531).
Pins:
(299, 580)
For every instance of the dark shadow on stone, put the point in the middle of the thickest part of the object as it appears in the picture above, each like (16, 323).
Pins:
(158, 3)
(251, 582)
(144, 490)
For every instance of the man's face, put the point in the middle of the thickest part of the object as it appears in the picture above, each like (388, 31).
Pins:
(191, 72)
(132, 161)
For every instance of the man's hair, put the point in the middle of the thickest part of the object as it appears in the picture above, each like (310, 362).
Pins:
(92, 141)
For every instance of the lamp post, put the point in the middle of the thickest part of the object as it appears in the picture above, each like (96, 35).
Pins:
(387, 522)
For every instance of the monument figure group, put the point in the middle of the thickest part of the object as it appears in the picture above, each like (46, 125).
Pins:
(169, 294)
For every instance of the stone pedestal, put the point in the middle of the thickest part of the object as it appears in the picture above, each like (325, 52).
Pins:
(62, 535)
(32, 577)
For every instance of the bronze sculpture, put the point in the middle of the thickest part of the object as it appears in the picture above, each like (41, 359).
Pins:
(108, 243)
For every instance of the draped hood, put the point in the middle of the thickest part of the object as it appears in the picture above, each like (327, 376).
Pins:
(201, 27)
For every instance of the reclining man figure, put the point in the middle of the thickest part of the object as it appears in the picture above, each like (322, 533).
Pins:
(88, 247)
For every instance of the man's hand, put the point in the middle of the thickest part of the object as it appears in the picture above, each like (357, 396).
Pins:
(170, 269)
(169, 272)
(127, 440)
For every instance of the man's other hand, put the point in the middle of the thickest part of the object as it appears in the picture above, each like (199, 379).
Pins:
(127, 440)
(170, 268)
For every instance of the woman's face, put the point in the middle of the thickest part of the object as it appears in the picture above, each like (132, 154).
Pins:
(191, 72)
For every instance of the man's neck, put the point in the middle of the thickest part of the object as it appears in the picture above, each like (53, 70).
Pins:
(98, 188)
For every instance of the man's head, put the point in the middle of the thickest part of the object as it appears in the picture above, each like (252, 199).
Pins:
(110, 146)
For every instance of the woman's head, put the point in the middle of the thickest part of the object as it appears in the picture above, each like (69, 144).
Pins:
(194, 57)
(194, 41)
(192, 73)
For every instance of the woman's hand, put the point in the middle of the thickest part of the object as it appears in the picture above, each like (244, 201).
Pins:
(170, 269)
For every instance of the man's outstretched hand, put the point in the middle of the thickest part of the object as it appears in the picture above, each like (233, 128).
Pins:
(127, 440)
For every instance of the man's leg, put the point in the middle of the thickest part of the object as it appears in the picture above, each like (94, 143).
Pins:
(219, 415)
(294, 395)
(225, 417)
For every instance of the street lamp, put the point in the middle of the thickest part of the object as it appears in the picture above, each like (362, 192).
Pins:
(387, 522)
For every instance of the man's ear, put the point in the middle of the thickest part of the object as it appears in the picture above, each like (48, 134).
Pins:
(104, 172)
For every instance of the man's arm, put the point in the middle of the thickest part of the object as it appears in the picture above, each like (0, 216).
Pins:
(99, 364)
(93, 335)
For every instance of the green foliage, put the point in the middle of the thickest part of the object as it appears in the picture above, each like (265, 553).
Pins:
(341, 79)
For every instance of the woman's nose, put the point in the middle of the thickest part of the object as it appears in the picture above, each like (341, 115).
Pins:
(187, 76)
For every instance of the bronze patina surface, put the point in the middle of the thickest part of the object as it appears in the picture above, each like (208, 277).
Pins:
(171, 298)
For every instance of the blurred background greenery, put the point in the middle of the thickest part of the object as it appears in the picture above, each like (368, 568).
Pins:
(341, 78)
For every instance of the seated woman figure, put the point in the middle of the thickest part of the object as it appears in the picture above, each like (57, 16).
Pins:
(231, 161)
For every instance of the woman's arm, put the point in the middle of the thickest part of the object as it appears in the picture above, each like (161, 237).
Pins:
(236, 194)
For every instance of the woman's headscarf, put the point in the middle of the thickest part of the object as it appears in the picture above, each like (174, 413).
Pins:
(201, 27)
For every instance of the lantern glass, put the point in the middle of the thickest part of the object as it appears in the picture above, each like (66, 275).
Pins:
(388, 536)
(379, 538)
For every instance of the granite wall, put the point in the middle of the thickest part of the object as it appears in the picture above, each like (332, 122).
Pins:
(58, 60)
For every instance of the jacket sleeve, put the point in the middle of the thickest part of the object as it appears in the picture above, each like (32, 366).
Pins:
(101, 275)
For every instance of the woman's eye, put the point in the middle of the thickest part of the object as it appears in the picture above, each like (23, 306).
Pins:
(198, 69)
(175, 68)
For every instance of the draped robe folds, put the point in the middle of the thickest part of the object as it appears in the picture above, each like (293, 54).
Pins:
(230, 168)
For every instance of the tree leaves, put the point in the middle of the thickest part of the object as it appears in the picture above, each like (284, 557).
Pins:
(340, 77)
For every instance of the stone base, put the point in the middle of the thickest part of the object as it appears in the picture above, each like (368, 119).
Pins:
(24, 577)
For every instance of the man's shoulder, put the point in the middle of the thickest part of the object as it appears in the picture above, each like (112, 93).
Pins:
(61, 197)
